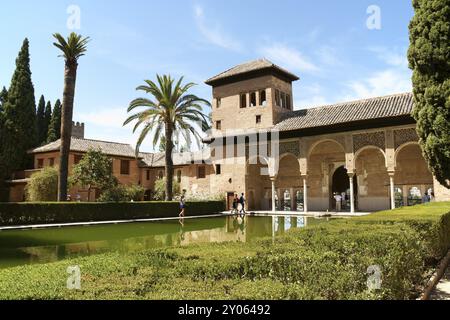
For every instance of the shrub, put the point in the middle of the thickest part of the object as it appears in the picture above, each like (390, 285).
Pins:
(122, 193)
(160, 189)
(41, 213)
(43, 185)
(135, 192)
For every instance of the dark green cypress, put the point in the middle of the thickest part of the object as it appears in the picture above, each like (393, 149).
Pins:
(47, 120)
(54, 129)
(429, 58)
(20, 115)
(40, 114)
(3, 98)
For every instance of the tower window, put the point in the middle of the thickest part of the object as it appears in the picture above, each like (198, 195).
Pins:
(218, 169)
(288, 102)
(277, 98)
(243, 101)
(262, 98)
(258, 119)
(253, 99)
(283, 100)
(218, 125)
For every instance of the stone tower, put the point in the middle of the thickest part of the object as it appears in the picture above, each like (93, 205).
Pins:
(251, 95)
(78, 130)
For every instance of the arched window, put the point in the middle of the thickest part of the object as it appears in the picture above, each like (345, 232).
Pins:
(287, 201)
(262, 98)
(243, 100)
(414, 196)
(253, 99)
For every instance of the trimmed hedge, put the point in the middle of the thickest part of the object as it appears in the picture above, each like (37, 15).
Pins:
(68, 212)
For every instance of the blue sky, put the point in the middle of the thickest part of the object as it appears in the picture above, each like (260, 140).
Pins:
(327, 43)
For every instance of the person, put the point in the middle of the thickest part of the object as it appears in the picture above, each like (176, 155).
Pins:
(242, 203)
(425, 198)
(182, 206)
(338, 199)
(235, 204)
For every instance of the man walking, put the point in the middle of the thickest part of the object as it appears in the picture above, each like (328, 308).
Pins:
(242, 203)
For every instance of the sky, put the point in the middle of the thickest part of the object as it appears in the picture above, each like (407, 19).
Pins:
(341, 50)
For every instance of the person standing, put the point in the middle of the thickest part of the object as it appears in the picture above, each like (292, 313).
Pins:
(242, 202)
(235, 204)
(182, 206)
(338, 199)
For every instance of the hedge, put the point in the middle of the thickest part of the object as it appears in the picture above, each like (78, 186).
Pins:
(69, 212)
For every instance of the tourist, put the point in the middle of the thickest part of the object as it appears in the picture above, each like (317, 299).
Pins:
(235, 204)
(242, 203)
(338, 199)
(426, 198)
(182, 206)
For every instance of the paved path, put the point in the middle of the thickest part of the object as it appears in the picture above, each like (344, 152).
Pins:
(442, 291)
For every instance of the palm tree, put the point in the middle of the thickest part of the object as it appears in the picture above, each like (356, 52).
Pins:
(72, 49)
(170, 113)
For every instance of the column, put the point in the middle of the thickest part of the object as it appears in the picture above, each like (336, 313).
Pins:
(305, 194)
(274, 206)
(293, 204)
(352, 193)
(392, 188)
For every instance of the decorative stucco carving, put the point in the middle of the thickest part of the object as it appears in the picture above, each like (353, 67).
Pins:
(290, 147)
(403, 136)
(376, 139)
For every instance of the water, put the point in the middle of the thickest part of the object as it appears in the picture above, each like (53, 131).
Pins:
(47, 245)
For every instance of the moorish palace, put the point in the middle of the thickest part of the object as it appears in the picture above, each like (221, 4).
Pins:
(366, 149)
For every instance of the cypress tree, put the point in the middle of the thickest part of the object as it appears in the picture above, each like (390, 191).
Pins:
(3, 98)
(40, 120)
(47, 119)
(54, 129)
(429, 58)
(20, 114)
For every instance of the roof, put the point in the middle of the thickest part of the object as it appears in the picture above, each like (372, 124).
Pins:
(341, 113)
(157, 160)
(251, 67)
(83, 145)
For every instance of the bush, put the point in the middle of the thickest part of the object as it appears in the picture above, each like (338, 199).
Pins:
(160, 190)
(121, 193)
(42, 213)
(43, 185)
(135, 192)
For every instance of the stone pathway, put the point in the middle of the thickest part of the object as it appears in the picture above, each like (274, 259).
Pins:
(442, 291)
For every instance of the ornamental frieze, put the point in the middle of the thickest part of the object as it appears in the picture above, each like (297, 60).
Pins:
(403, 136)
(290, 147)
(376, 139)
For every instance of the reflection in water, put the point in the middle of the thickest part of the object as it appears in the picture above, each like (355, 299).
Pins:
(48, 245)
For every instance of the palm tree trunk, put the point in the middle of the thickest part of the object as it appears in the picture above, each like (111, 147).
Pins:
(169, 163)
(70, 76)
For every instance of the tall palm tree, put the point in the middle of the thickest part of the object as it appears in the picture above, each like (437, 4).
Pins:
(72, 49)
(170, 114)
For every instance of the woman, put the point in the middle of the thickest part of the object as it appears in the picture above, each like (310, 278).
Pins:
(182, 206)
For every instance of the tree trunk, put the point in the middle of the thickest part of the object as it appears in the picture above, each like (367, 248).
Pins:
(70, 75)
(169, 162)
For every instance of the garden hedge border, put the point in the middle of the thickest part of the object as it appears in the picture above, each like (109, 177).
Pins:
(13, 214)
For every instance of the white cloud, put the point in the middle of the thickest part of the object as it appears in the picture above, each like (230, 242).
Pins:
(214, 33)
(393, 57)
(288, 57)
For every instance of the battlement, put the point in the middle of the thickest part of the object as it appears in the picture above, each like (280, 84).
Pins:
(77, 130)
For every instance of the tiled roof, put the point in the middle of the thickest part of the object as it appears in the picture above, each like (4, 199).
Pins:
(348, 112)
(251, 66)
(83, 145)
(157, 160)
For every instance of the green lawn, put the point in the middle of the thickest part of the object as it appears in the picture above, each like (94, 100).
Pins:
(326, 261)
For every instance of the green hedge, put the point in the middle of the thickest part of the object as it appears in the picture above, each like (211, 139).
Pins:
(44, 213)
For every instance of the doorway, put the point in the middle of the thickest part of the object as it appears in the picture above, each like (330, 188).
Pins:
(341, 185)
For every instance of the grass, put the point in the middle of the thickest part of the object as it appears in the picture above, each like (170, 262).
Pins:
(326, 261)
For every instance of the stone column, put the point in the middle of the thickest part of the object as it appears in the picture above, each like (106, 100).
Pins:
(293, 202)
(392, 189)
(352, 193)
(274, 206)
(305, 194)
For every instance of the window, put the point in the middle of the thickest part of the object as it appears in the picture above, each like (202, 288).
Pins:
(160, 175)
(262, 98)
(218, 102)
(258, 119)
(243, 101)
(148, 175)
(40, 163)
(218, 125)
(51, 162)
(288, 102)
(77, 158)
(125, 167)
(277, 98)
(283, 100)
(218, 169)
(179, 176)
(414, 196)
(201, 172)
(253, 99)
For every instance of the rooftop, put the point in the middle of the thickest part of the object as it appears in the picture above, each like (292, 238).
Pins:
(250, 68)
(391, 106)
(83, 145)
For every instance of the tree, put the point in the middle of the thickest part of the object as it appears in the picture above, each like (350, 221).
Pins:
(160, 189)
(429, 58)
(72, 49)
(40, 114)
(47, 120)
(54, 128)
(94, 171)
(43, 185)
(3, 98)
(20, 115)
(171, 113)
